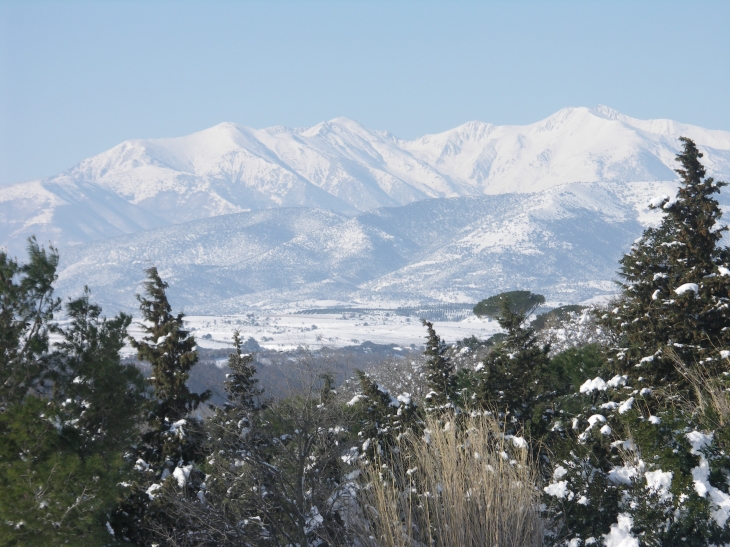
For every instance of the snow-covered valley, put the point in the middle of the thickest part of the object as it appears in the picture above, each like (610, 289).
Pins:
(284, 332)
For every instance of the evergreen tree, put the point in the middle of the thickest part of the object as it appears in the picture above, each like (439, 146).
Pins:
(675, 288)
(27, 308)
(277, 477)
(520, 302)
(514, 376)
(381, 416)
(646, 451)
(170, 350)
(440, 378)
(103, 398)
(240, 384)
(67, 418)
(170, 447)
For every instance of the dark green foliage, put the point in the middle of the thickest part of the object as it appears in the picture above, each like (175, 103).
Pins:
(554, 316)
(573, 366)
(66, 417)
(103, 398)
(274, 478)
(172, 438)
(27, 307)
(170, 349)
(472, 342)
(381, 417)
(682, 253)
(515, 374)
(241, 384)
(520, 302)
(440, 379)
(49, 494)
(664, 389)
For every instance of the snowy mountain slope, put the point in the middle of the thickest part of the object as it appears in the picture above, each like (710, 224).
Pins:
(65, 213)
(572, 145)
(563, 242)
(342, 166)
(196, 258)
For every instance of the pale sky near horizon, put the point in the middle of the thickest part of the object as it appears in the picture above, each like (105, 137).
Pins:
(78, 77)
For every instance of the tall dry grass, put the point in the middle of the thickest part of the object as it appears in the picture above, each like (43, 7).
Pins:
(467, 487)
(712, 399)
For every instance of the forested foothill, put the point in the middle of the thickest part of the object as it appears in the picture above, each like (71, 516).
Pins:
(605, 425)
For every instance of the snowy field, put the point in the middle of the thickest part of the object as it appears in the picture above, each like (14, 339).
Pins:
(288, 331)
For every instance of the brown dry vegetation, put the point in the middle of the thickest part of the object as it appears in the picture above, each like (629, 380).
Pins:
(468, 487)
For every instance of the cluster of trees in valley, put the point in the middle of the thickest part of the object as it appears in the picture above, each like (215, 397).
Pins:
(598, 426)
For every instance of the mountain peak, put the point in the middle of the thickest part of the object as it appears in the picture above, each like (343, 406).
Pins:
(609, 112)
(341, 165)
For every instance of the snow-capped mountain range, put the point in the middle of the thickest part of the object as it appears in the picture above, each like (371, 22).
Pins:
(562, 242)
(282, 213)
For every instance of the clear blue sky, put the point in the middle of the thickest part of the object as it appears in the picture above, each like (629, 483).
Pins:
(76, 78)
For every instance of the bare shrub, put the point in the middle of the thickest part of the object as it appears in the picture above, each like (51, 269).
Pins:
(460, 485)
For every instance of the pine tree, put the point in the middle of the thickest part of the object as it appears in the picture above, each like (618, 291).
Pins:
(27, 309)
(520, 302)
(440, 378)
(675, 289)
(102, 397)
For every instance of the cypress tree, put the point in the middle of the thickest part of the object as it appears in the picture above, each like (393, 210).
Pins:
(674, 302)
(171, 445)
(440, 378)
(646, 414)
(240, 384)
(514, 375)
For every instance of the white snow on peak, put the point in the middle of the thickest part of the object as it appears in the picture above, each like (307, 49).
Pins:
(341, 165)
(549, 206)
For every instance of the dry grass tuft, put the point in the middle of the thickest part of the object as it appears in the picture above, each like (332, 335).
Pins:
(712, 399)
(467, 487)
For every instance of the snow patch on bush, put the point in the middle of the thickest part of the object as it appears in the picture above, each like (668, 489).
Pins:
(559, 472)
(659, 482)
(622, 475)
(617, 381)
(597, 384)
(558, 490)
(626, 405)
(701, 476)
(181, 474)
(693, 287)
(620, 533)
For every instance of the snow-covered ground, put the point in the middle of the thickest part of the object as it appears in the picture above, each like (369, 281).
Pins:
(288, 331)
